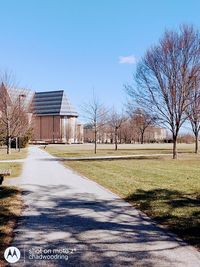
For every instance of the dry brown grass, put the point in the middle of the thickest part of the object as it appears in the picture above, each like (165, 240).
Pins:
(11, 204)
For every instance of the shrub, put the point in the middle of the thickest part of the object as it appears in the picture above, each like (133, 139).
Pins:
(23, 140)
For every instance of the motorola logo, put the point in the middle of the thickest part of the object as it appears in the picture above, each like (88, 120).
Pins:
(12, 254)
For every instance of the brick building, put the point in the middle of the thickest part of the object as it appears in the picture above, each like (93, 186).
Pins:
(54, 119)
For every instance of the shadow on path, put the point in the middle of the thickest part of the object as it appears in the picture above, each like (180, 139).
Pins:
(103, 232)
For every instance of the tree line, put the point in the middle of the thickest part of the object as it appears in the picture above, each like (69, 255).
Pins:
(127, 127)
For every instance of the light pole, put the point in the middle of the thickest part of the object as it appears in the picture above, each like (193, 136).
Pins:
(20, 96)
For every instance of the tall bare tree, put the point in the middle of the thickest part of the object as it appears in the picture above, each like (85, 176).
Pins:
(126, 132)
(13, 116)
(164, 78)
(115, 121)
(96, 115)
(141, 121)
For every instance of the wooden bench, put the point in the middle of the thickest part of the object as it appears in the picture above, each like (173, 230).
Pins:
(4, 173)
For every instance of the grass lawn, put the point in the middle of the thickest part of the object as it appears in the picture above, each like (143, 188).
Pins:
(166, 190)
(15, 154)
(10, 207)
(15, 168)
(10, 203)
(85, 150)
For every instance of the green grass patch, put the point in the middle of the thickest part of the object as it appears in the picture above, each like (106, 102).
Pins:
(10, 203)
(166, 190)
(15, 154)
(15, 168)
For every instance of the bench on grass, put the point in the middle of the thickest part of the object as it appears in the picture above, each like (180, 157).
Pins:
(4, 173)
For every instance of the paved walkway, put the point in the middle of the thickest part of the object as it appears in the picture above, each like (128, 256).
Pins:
(64, 210)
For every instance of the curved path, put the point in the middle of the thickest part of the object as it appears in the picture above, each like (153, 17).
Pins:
(74, 219)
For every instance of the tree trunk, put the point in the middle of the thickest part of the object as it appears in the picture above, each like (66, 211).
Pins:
(19, 144)
(175, 147)
(8, 145)
(8, 138)
(115, 139)
(196, 142)
(142, 138)
(15, 143)
(95, 142)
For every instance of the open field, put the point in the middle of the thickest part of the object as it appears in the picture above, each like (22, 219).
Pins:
(85, 150)
(166, 190)
(15, 154)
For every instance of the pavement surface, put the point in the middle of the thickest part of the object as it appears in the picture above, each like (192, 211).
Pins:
(69, 220)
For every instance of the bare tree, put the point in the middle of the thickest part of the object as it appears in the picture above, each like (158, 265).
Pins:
(193, 111)
(13, 116)
(125, 132)
(96, 115)
(115, 121)
(164, 78)
(141, 121)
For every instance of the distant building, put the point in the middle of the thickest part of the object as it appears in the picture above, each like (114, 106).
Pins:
(155, 134)
(54, 119)
(51, 115)
(126, 134)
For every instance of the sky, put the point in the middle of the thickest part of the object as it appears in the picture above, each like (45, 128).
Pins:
(85, 45)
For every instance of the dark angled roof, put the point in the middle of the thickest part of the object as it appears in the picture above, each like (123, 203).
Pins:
(52, 103)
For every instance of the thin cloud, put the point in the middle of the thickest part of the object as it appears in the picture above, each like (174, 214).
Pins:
(127, 59)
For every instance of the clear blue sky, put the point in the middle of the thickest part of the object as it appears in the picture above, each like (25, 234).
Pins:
(76, 45)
